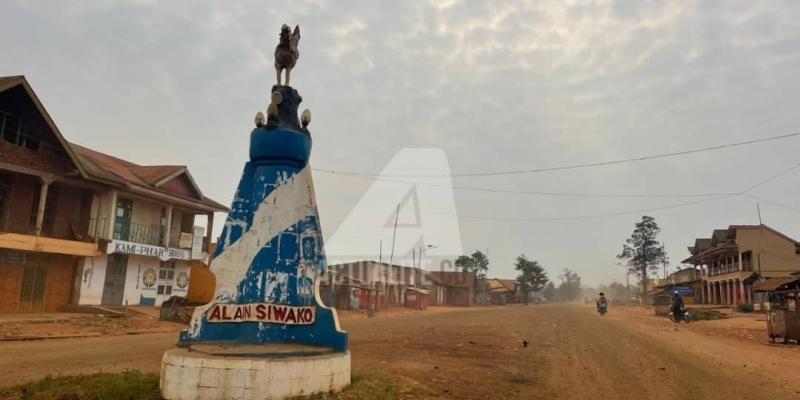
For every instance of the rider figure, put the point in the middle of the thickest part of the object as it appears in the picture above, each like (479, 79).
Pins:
(677, 305)
(602, 300)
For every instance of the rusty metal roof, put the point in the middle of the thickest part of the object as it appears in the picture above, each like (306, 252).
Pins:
(775, 284)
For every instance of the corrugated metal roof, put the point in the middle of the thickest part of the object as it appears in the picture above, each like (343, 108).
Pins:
(771, 285)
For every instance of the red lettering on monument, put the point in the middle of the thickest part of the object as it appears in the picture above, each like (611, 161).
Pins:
(260, 312)
(214, 314)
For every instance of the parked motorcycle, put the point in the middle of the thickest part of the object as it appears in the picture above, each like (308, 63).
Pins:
(685, 317)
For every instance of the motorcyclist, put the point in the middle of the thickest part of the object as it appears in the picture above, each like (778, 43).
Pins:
(677, 306)
(602, 302)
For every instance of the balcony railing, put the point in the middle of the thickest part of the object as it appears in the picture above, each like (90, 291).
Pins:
(140, 233)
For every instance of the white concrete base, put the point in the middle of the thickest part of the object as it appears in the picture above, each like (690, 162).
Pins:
(192, 375)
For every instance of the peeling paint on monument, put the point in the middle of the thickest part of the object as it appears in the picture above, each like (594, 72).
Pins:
(270, 252)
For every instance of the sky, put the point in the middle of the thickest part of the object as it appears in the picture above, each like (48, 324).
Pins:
(476, 86)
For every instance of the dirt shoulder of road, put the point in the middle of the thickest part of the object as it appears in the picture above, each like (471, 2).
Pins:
(66, 325)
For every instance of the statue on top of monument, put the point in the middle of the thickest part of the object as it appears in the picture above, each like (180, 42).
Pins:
(286, 52)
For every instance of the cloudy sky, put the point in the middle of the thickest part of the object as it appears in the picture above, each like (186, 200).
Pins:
(495, 86)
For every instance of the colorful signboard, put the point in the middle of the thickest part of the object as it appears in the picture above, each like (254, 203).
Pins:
(140, 249)
(262, 312)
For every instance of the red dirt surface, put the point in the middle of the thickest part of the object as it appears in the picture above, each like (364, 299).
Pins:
(478, 353)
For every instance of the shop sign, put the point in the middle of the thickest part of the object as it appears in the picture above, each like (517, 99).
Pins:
(140, 249)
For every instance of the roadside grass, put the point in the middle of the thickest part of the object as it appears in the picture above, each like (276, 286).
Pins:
(135, 385)
(130, 385)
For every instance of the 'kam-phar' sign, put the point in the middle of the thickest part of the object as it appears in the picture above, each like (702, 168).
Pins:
(121, 246)
(262, 312)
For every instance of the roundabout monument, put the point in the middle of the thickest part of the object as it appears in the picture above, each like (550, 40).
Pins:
(266, 334)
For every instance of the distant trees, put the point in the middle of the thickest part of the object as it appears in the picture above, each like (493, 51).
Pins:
(642, 252)
(532, 277)
(549, 291)
(476, 263)
(615, 291)
(570, 287)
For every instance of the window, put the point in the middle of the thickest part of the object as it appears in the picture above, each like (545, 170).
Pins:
(166, 271)
(166, 275)
(165, 289)
(14, 130)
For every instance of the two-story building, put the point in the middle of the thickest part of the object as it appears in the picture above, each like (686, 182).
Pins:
(733, 259)
(81, 227)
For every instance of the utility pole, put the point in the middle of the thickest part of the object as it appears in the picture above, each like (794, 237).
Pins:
(391, 257)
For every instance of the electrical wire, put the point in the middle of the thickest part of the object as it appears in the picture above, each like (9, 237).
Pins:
(543, 193)
(744, 192)
(574, 166)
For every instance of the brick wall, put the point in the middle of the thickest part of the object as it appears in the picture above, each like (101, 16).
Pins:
(10, 284)
(58, 284)
(41, 160)
(20, 205)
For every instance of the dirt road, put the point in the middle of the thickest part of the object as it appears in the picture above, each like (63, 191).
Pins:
(478, 354)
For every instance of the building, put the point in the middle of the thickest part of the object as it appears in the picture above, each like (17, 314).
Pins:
(734, 259)
(501, 291)
(686, 282)
(389, 281)
(382, 284)
(451, 288)
(81, 227)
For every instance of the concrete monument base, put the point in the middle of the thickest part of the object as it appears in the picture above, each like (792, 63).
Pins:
(252, 372)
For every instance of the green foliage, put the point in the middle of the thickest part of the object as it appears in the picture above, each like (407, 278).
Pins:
(476, 263)
(532, 277)
(615, 291)
(549, 291)
(642, 251)
(130, 385)
(134, 385)
(570, 287)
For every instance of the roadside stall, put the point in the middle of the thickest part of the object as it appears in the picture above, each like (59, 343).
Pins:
(417, 298)
(661, 302)
(783, 316)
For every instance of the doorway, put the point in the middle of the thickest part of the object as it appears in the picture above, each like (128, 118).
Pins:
(31, 296)
(114, 287)
(122, 220)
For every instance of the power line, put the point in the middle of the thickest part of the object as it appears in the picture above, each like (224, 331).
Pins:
(574, 166)
(744, 192)
(543, 193)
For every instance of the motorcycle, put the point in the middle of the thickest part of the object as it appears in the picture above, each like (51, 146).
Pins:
(602, 308)
(685, 317)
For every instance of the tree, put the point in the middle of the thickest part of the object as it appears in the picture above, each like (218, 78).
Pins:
(478, 264)
(615, 291)
(570, 287)
(643, 252)
(532, 277)
(549, 291)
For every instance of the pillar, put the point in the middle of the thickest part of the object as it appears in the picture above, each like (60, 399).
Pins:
(168, 227)
(741, 268)
(749, 294)
(42, 202)
(703, 293)
(112, 215)
(742, 295)
(712, 288)
(731, 292)
(726, 292)
(209, 232)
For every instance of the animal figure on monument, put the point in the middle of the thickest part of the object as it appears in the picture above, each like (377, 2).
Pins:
(286, 52)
